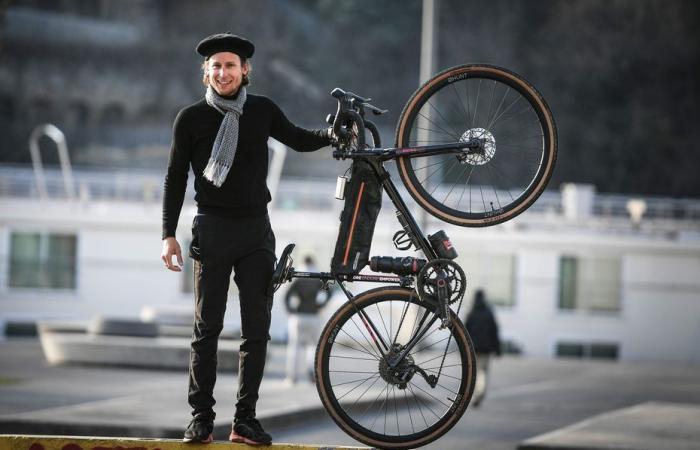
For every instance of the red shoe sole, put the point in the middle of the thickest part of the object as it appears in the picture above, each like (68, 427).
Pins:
(242, 439)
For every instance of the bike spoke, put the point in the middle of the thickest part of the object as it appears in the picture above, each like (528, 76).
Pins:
(482, 197)
(522, 111)
(466, 167)
(496, 169)
(425, 167)
(408, 406)
(456, 138)
(466, 112)
(372, 346)
(380, 406)
(434, 343)
(416, 142)
(396, 411)
(476, 103)
(447, 405)
(445, 161)
(420, 400)
(493, 186)
(350, 357)
(466, 183)
(362, 346)
(349, 371)
(495, 119)
(495, 114)
(493, 90)
(442, 117)
(388, 335)
(445, 367)
(391, 316)
(420, 364)
(355, 349)
(454, 163)
(365, 391)
(363, 382)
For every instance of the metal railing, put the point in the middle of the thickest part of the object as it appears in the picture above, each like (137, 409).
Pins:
(133, 185)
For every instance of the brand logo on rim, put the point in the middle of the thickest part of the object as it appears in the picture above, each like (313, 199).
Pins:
(454, 78)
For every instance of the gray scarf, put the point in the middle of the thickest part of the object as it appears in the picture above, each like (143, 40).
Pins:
(224, 149)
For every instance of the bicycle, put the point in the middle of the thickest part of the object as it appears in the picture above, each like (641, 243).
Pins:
(395, 366)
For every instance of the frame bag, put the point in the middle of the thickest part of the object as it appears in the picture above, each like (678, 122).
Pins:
(363, 200)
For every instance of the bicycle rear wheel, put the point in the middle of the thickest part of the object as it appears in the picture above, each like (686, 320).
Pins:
(393, 408)
(513, 164)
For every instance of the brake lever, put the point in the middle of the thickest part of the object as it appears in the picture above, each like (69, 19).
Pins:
(376, 111)
(357, 97)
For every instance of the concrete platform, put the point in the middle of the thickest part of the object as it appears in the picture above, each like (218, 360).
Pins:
(648, 426)
(527, 397)
(71, 344)
(158, 413)
(29, 442)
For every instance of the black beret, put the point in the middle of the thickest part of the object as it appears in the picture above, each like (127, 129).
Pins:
(225, 42)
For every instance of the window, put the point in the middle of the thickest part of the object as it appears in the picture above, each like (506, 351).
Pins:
(589, 283)
(493, 273)
(587, 350)
(44, 261)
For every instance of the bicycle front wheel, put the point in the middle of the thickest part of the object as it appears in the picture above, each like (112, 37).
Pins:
(407, 406)
(513, 163)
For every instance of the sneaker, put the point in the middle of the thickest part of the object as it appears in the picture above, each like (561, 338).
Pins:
(200, 429)
(249, 431)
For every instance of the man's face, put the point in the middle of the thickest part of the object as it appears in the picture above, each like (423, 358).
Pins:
(225, 72)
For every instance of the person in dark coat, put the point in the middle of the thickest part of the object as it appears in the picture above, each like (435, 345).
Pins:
(483, 329)
(304, 301)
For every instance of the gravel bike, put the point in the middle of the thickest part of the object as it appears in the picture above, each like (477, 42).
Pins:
(475, 146)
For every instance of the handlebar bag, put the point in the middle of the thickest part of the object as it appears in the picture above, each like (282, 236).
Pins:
(363, 200)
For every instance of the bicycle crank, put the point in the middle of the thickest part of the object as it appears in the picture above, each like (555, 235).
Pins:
(442, 281)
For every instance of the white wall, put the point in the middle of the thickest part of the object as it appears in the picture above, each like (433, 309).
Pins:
(120, 271)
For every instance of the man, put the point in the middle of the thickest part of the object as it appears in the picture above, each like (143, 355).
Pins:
(223, 138)
(304, 300)
(483, 329)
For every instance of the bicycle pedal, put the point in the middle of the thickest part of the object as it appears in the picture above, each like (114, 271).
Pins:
(282, 273)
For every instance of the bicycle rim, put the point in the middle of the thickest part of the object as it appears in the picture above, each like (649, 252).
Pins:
(364, 398)
(510, 169)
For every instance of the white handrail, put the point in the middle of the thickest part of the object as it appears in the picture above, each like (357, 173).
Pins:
(57, 136)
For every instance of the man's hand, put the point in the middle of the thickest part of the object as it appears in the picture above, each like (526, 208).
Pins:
(172, 248)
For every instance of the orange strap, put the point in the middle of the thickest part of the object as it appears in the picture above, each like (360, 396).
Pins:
(352, 224)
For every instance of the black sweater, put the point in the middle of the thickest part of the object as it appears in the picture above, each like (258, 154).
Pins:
(244, 193)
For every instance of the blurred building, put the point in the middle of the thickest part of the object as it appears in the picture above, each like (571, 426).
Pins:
(577, 275)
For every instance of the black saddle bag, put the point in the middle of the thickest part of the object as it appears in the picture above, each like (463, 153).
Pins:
(363, 200)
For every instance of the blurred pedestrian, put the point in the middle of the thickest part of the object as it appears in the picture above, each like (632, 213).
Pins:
(223, 138)
(304, 300)
(483, 329)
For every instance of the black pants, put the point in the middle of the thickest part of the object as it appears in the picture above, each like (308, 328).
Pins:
(220, 245)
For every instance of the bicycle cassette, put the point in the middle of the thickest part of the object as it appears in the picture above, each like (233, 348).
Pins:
(434, 272)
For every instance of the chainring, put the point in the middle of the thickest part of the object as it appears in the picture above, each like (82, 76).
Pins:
(427, 280)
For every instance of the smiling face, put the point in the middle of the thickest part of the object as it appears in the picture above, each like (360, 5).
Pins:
(225, 72)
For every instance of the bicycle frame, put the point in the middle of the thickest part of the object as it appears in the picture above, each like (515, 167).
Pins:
(386, 154)
(376, 158)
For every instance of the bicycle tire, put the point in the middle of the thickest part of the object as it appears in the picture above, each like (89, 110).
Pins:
(443, 105)
(333, 353)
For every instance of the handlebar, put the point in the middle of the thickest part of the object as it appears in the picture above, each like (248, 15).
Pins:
(349, 119)
(339, 94)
